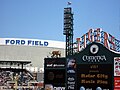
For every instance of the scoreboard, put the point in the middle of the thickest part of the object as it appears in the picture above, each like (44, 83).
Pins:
(55, 73)
(94, 68)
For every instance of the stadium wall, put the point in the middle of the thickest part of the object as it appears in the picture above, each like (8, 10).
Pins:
(34, 50)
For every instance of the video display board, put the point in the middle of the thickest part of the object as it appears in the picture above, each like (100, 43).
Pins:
(94, 68)
(94, 76)
(55, 74)
(71, 74)
(55, 63)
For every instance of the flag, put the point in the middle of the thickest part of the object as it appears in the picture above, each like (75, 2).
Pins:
(69, 3)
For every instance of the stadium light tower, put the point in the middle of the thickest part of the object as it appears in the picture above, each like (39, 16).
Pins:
(68, 29)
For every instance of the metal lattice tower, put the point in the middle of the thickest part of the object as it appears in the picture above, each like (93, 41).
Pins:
(68, 30)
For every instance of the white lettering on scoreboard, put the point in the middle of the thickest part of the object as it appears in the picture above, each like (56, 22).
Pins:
(59, 88)
(86, 58)
(51, 87)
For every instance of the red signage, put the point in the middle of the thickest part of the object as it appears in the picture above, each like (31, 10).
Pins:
(116, 83)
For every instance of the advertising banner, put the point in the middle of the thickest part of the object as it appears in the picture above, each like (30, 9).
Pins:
(71, 74)
(94, 68)
(94, 76)
(55, 74)
(116, 83)
(117, 66)
(55, 63)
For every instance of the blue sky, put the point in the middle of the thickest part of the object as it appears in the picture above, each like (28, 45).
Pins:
(43, 19)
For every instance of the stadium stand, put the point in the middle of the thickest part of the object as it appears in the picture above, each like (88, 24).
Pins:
(16, 78)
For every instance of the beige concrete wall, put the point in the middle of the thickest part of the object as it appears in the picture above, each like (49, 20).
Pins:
(34, 53)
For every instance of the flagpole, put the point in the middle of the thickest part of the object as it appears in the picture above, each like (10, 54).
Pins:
(69, 4)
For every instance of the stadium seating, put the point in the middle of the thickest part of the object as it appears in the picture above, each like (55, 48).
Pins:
(11, 76)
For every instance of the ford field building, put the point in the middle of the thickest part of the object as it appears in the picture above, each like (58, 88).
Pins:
(33, 50)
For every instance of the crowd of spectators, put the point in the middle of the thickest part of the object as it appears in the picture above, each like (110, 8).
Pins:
(14, 77)
(4, 77)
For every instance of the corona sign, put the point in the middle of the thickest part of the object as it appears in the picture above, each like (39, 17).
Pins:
(96, 68)
(98, 36)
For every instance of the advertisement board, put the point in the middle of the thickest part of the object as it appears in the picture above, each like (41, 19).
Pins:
(117, 66)
(71, 73)
(55, 63)
(93, 76)
(116, 83)
(55, 74)
(94, 68)
(116, 73)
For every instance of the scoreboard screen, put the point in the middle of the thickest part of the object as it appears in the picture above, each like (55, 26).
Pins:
(55, 73)
(55, 76)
